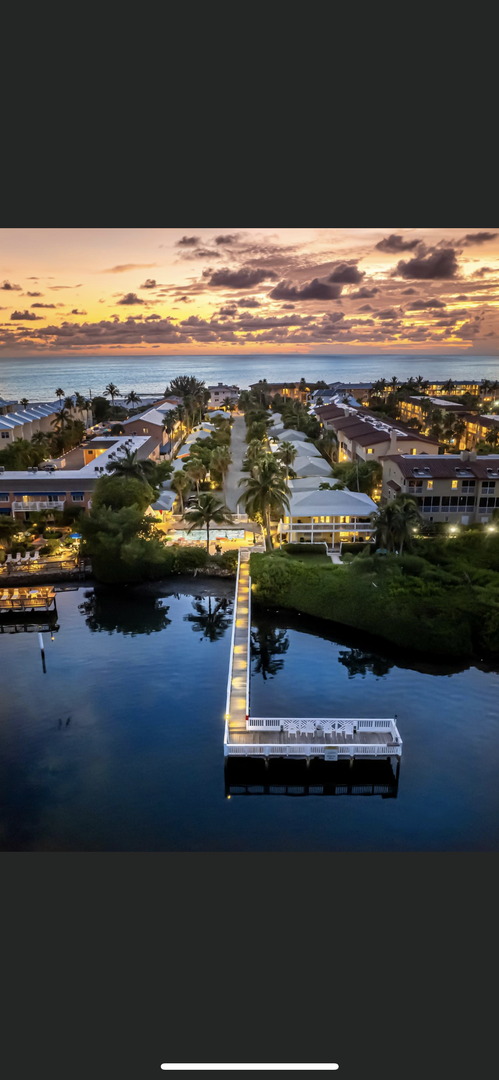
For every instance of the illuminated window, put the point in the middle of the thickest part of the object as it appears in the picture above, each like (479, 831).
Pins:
(413, 451)
(370, 450)
(429, 485)
(454, 484)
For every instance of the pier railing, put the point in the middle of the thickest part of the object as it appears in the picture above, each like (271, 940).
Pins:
(310, 724)
(231, 661)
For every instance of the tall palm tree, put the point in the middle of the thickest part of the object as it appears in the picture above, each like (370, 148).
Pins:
(181, 483)
(254, 451)
(394, 383)
(196, 470)
(266, 493)
(395, 523)
(328, 445)
(207, 509)
(287, 453)
(24, 402)
(133, 398)
(59, 422)
(169, 422)
(221, 460)
(59, 394)
(448, 386)
(111, 391)
(40, 439)
(460, 428)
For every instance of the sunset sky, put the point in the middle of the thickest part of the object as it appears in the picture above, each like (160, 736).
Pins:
(221, 291)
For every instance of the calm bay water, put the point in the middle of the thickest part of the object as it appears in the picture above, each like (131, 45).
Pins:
(37, 378)
(119, 745)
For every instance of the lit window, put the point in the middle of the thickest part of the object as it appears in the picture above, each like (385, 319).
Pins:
(370, 450)
(429, 485)
(454, 484)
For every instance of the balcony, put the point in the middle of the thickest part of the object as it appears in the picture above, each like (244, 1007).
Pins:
(38, 505)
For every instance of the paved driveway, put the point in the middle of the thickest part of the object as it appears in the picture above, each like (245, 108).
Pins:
(234, 475)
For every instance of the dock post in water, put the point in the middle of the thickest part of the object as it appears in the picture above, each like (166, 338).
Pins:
(42, 650)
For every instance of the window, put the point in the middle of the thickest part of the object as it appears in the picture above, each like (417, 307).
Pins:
(5, 434)
(370, 450)
(454, 484)
(77, 496)
(488, 485)
(413, 450)
(468, 485)
(4, 496)
(430, 485)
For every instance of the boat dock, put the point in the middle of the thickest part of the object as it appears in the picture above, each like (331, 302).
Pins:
(29, 599)
(300, 737)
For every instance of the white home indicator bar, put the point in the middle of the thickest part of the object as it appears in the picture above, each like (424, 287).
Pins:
(297, 1068)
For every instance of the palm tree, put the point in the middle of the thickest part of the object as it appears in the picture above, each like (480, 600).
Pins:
(395, 383)
(206, 509)
(266, 493)
(60, 421)
(221, 460)
(24, 402)
(460, 428)
(181, 483)
(395, 523)
(132, 398)
(59, 394)
(111, 391)
(287, 453)
(128, 465)
(40, 439)
(169, 422)
(211, 622)
(379, 387)
(328, 445)
(254, 451)
(196, 470)
(448, 386)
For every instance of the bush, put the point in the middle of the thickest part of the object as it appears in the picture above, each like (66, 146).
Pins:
(412, 564)
(354, 548)
(44, 550)
(305, 549)
(52, 534)
(188, 558)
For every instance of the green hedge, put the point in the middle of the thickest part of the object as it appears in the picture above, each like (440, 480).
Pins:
(305, 549)
(354, 549)
(441, 611)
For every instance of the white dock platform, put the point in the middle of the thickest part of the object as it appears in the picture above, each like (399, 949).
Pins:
(304, 737)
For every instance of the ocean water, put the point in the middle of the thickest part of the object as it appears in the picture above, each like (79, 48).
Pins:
(37, 378)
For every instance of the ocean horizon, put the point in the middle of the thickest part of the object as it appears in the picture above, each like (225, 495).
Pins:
(37, 378)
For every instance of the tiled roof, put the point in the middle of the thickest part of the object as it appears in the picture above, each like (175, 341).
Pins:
(445, 466)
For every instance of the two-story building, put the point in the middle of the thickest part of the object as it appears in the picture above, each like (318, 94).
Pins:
(328, 517)
(220, 392)
(151, 423)
(23, 492)
(456, 488)
(362, 437)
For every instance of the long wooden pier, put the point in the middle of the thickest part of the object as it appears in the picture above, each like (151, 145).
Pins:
(274, 736)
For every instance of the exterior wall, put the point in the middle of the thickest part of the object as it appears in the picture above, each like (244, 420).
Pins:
(219, 393)
(331, 530)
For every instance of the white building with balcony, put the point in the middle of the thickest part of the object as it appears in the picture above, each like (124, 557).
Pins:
(328, 517)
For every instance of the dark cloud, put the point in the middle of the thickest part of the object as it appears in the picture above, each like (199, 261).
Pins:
(43, 305)
(57, 287)
(34, 294)
(120, 269)
(387, 313)
(394, 244)
(131, 298)
(188, 241)
(478, 238)
(229, 310)
(153, 318)
(484, 270)
(408, 292)
(365, 293)
(461, 297)
(244, 278)
(314, 290)
(249, 302)
(10, 287)
(440, 264)
(288, 307)
(24, 316)
(346, 274)
(420, 305)
(201, 253)
(149, 283)
(76, 312)
(229, 238)
(366, 307)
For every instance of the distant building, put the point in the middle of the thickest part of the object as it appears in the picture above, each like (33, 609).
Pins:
(293, 390)
(458, 488)
(220, 392)
(362, 436)
(19, 423)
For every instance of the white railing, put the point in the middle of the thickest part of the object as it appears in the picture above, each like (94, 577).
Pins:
(37, 505)
(307, 750)
(231, 660)
(248, 653)
(311, 724)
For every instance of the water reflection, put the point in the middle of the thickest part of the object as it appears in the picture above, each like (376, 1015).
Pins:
(124, 612)
(267, 646)
(211, 617)
(359, 662)
(254, 776)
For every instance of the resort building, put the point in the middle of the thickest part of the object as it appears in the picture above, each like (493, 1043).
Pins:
(362, 436)
(220, 392)
(150, 423)
(476, 427)
(19, 423)
(292, 390)
(24, 491)
(458, 488)
(327, 517)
